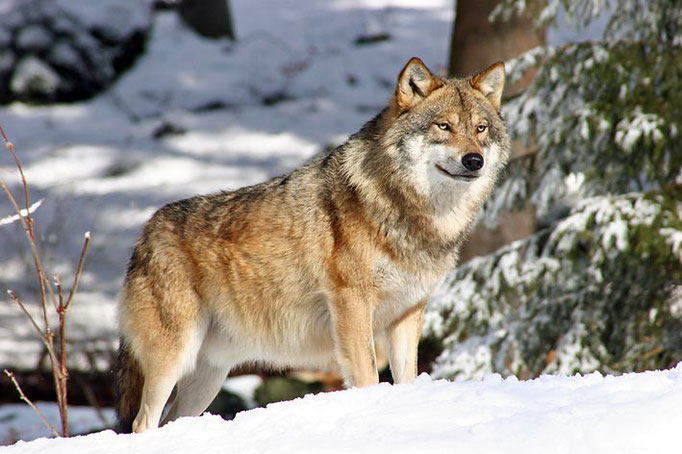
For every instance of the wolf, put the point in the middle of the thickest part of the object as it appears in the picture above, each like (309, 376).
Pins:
(310, 268)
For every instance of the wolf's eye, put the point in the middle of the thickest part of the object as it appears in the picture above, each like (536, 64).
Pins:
(480, 128)
(444, 126)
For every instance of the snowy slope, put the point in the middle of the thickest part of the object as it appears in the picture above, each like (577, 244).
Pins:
(632, 413)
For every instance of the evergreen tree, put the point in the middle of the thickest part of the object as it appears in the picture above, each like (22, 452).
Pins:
(599, 286)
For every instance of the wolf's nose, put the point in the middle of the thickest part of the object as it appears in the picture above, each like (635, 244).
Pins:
(472, 161)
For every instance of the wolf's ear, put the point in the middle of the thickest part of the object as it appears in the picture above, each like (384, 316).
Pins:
(490, 82)
(415, 83)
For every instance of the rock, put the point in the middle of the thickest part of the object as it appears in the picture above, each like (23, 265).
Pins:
(227, 404)
(64, 54)
(33, 78)
(68, 50)
(33, 38)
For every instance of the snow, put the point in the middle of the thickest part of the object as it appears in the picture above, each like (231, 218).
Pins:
(632, 413)
(630, 131)
(20, 422)
(33, 74)
(115, 18)
(674, 238)
(22, 213)
(34, 38)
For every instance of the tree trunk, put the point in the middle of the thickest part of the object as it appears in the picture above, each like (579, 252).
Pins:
(210, 18)
(477, 42)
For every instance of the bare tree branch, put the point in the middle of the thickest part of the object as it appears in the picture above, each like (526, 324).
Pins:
(10, 147)
(30, 404)
(58, 362)
(17, 300)
(16, 217)
(27, 222)
(79, 271)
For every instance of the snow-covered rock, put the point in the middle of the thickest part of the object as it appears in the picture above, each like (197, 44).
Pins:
(82, 45)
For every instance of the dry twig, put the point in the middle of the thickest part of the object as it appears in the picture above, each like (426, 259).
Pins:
(30, 404)
(59, 370)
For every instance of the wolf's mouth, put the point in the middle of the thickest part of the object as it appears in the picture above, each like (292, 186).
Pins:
(458, 176)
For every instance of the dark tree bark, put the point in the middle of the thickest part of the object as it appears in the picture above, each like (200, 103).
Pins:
(210, 18)
(477, 42)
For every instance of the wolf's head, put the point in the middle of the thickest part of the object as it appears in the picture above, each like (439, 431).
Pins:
(446, 136)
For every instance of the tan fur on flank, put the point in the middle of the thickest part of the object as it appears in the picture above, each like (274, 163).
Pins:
(307, 269)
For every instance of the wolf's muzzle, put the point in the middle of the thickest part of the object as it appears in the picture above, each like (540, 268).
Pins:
(456, 169)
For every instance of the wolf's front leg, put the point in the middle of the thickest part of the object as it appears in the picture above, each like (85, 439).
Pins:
(403, 340)
(352, 319)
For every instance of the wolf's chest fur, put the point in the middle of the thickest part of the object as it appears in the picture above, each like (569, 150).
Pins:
(401, 289)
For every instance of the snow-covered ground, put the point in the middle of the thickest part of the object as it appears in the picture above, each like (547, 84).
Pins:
(632, 413)
(20, 422)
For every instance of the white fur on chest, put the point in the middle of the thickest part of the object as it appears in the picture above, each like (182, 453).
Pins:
(402, 290)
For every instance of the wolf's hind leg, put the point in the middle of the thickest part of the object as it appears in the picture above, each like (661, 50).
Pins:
(161, 373)
(197, 390)
(163, 367)
(155, 393)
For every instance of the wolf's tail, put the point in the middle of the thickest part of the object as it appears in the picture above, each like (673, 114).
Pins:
(129, 382)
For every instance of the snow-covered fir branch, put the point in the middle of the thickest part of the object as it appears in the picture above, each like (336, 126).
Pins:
(600, 290)
(603, 117)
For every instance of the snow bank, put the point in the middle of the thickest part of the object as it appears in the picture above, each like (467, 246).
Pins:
(632, 413)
